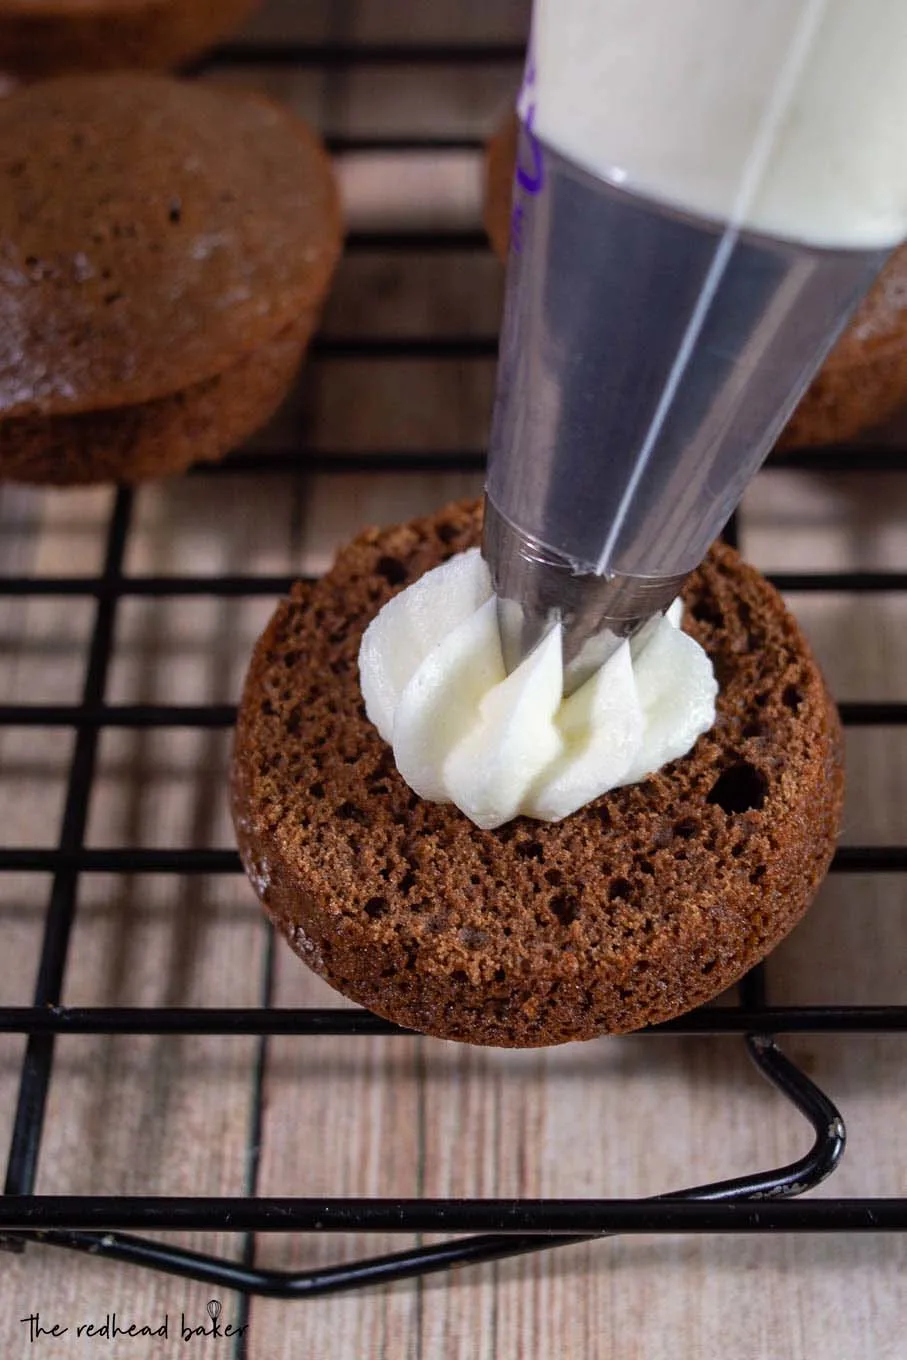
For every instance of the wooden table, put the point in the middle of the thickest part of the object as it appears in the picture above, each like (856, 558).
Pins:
(405, 1116)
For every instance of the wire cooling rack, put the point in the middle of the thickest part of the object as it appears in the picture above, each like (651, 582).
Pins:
(110, 1226)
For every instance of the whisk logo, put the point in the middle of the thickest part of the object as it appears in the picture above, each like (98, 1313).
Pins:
(116, 1327)
(213, 1329)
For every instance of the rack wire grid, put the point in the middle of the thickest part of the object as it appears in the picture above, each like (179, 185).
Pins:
(108, 1226)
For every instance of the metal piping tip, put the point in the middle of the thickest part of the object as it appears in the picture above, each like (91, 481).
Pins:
(522, 629)
(537, 589)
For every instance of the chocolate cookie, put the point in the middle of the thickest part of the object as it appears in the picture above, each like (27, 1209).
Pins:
(862, 383)
(643, 904)
(40, 38)
(165, 249)
(864, 379)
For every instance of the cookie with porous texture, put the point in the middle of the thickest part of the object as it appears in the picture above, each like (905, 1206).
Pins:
(165, 249)
(40, 38)
(643, 904)
(863, 382)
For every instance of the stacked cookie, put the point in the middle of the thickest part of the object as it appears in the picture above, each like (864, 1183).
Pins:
(50, 37)
(165, 250)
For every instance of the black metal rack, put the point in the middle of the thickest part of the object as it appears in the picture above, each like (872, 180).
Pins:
(104, 1226)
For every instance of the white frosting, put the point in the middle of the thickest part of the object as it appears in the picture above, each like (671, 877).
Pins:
(787, 115)
(498, 745)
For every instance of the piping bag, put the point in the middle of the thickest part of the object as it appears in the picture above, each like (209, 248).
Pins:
(704, 191)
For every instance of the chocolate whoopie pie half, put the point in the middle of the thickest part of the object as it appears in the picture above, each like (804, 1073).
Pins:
(642, 905)
(41, 38)
(165, 250)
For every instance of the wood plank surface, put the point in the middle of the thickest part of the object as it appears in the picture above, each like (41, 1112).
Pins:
(388, 1117)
